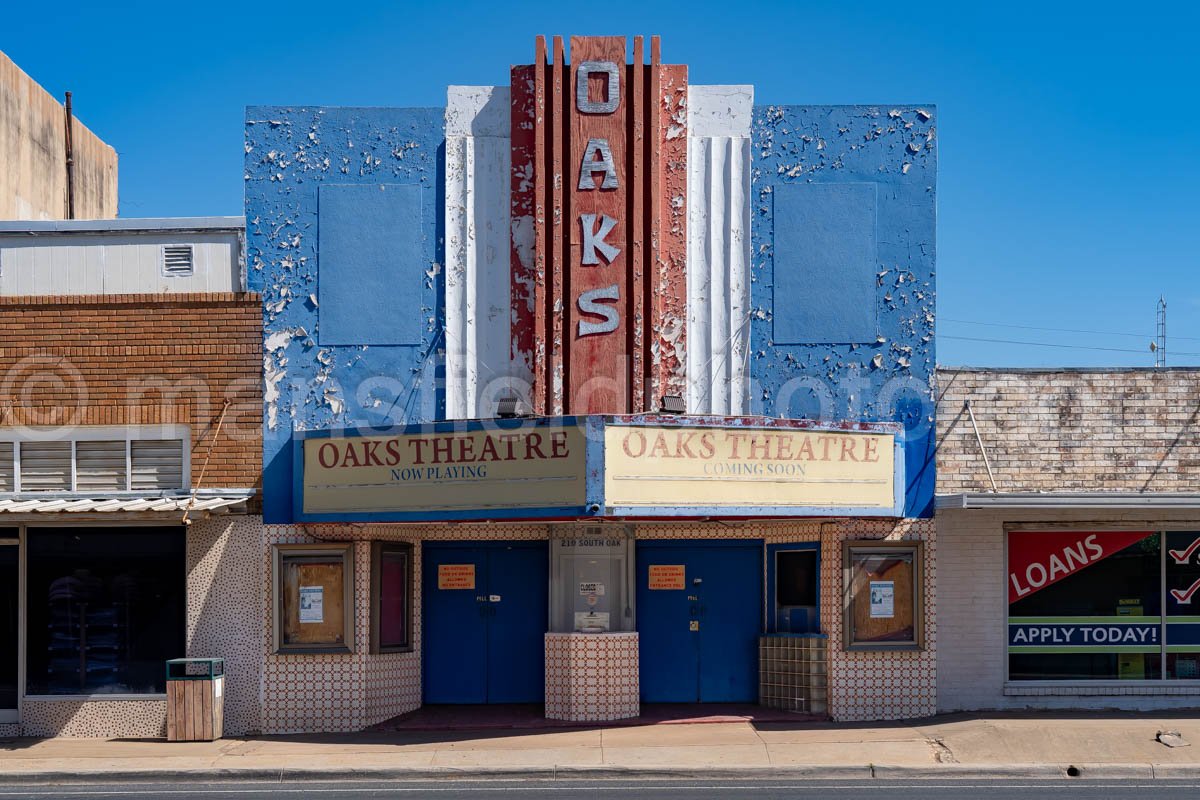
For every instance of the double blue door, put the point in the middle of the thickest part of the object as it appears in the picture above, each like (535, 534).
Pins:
(484, 614)
(699, 630)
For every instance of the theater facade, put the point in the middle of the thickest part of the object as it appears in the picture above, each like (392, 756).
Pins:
(595, 389)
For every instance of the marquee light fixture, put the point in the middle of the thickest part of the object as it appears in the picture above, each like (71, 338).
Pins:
(511, 408)
(672, 404)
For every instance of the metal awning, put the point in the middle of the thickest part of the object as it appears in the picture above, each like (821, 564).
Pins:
(222, 501)
(1068, 500)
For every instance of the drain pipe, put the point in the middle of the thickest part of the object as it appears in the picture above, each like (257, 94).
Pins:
(70, 162)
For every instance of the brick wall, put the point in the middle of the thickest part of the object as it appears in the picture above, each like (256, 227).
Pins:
(139, 360)
(1070, 430)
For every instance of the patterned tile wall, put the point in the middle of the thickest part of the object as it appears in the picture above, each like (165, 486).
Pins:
(224, 577)
(878, 685)
(592, 677)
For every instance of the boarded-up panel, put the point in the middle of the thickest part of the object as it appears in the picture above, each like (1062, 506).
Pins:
(329, 577)
(371, 247)
(882, 605)
(825, 263)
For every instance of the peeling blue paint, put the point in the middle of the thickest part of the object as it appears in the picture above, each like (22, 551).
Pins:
(290, 152)
(890, 378)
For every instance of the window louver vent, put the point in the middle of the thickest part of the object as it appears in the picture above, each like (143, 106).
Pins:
(178, 260)
(157, 464)
(7, 470)
(45, 466)
(100, 466)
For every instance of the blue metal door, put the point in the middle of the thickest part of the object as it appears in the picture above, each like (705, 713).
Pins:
(699, 643)
(519, 583)
(482, 638)
(453, 626)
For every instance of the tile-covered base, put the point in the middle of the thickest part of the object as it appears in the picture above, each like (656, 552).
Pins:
(95, 719)
(592, 677)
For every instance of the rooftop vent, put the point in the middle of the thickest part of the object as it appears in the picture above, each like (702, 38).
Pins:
(178, 261)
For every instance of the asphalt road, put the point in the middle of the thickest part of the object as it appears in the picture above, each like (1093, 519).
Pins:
(648, 790)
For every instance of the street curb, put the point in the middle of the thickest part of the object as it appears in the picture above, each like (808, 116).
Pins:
(865, 772)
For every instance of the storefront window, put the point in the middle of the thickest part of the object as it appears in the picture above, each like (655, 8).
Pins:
(391, 590)
(1089, 605)
(590, 581)
(883, 595)
(104, 609)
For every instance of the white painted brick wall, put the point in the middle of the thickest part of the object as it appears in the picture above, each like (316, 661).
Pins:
(972, 609)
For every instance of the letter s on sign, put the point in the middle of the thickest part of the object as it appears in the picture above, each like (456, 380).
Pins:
(589, 303)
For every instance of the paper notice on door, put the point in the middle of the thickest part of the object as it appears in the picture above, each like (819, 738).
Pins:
(312, 604)
(456, 576)
(591, 587)
(883, 599)
(667, 576)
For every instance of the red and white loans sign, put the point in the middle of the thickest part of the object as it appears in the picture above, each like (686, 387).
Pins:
(1037, 559)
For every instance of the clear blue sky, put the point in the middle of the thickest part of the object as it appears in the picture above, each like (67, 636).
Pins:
(1069, 133)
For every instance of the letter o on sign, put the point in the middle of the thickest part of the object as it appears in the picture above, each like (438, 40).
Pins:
(331, 449)
(628, 444)
(610, 103)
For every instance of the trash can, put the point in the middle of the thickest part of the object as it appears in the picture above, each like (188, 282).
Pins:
(195, 699)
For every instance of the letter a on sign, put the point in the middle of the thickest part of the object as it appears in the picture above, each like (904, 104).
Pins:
(591, 166)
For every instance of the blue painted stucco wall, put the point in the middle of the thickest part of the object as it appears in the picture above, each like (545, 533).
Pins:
(316, 180)
(843, 272)
(842, 295)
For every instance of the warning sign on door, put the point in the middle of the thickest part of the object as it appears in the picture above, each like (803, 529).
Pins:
(456, 576)
(666, 576)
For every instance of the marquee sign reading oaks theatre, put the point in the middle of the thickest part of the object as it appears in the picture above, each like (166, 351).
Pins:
(597, 466)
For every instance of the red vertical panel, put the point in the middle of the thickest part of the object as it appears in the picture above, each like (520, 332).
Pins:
(667, 337)
(598, 376)
(528, 235)
(637, 225)
(557, 132)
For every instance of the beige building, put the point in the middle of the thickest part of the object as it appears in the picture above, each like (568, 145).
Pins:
(33, 152)
(1068, 526)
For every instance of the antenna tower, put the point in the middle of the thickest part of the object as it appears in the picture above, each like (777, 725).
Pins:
(1160, 352)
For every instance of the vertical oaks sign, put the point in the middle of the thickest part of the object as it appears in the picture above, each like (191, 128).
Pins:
(597, 262)
(599, 155)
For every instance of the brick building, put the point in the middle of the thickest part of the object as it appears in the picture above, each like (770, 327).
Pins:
(130, 407)
(1068, 519)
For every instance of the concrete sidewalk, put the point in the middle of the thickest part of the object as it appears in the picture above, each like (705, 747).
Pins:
(1032, 745)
